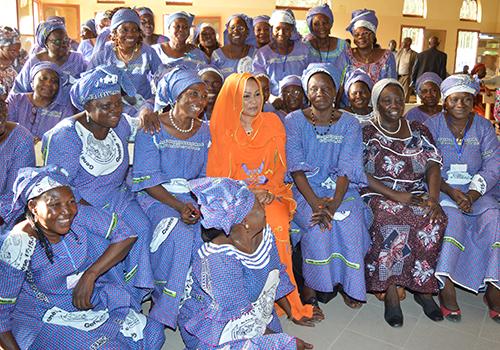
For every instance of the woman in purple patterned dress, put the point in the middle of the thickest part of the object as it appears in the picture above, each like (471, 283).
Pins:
(403, 168)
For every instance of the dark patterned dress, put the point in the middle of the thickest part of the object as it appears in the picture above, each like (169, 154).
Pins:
(405, 246)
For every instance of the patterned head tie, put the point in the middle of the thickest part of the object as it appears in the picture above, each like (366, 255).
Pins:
(290, 80)
(202, 69)
(45, 28)
(174, 83)
(428, 77)
(9, 36)
(363, 18)
(355, 76)
(261, 19)
(460, 83)
(223, 202)
(250, 40)
(63, 78)
(123, 16)
(324, 10)
(332, 71)
(100, 82)
(90, 25)
(189, 17)
(285, 16)
(33, 182)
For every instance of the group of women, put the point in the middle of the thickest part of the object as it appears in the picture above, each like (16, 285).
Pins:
(245, 155)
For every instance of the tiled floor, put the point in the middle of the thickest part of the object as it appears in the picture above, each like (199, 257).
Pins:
(365, 329)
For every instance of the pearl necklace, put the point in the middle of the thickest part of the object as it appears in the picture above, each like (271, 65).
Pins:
(387, 131)
(185, 131)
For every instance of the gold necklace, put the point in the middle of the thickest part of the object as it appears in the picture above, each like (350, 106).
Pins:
(129, 58)
(367, 58)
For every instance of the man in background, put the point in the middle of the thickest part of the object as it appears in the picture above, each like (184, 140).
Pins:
(430, 60)
(405, 60)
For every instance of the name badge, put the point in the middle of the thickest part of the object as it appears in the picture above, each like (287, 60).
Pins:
(458, 168)
(72, 280)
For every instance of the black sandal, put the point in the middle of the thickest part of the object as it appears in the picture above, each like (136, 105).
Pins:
(431, 309)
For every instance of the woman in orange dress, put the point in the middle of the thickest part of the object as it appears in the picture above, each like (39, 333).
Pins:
(249, 145)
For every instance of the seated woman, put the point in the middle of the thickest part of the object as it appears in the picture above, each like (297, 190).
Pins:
(48, 104)
(16, 152)
(63, 264)
(213, 80)
(127, 52)
(358, 89)
(323, 47)
(292, 95)
(147, 18)
(176, 50)
(249, 145)
(88, 34)
(471, 154)
(262, 30)
(93, 147)
(285, 54)
(403, 169)
(236, 275)
(331, 216)
(52, 37)
(428, 90)
(238, 51)
(167, 160)
(10, 45)
(207, 39)
(375, 61)
(265, 83)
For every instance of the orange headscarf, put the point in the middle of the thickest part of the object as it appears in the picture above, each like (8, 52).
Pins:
(259, 159)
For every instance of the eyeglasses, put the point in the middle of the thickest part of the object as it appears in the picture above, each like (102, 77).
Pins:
(292, 93)
(239, 28)
(59, 42)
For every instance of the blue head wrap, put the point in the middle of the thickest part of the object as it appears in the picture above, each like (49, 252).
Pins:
(182, 14)
(90, 25)
(100, 82)
(61, 98)
(199, 28)
(45, 28)
(260, 19)
(141, 11)
(9, 36)
(290, 80)
(332, 71)
(285, 16)
(174, 83)
(31, 183)
(249, 23)
(355, 76)
(379, 87)
(428, 77)
(223, 202)
(318, 10)
(123, 16)
(363, 18)
(202, 69)
(460, 83)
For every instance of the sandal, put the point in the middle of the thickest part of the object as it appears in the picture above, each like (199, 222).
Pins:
(431, 310)
(352, 303)
(494, 315)
(451, 315)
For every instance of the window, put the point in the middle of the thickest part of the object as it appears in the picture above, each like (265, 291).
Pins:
(469, 11)
(414, 8)
(300, 4)
(417, 37)
(466, 49)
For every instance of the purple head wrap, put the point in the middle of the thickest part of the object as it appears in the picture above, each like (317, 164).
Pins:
(100, 82)
(60, 97)
(182, 14)
(332, 71)
(260, 19)
(90, 25)
(174, 83)
(290, 80)
(460, 83)
(363, 18)
(45, 28)
(202, 69)
(123, 16)
(249, 23)
(355, 76)
(285, 16)
(426, 78)
(223, 202)
(141, 11)
(318, 10)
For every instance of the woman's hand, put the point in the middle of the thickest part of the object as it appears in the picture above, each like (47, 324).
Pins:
(462, 200)
(189, 214)
(82, 293)
(263, 196)
(322, 215)
(435, 212)
(473, 196)
(149, 121)
(302, 345)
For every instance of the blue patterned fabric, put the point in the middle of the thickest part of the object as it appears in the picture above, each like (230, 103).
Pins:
(249, 23)
(90, 25)
(44, 29)
(460, 83)
(100, 82)
(229, 66)
(326, 68)
(224, 202)
(189, 17)
(174, 83)
(9, 36)
(428, 77)
(363, 18)
(318, 10)
(123, 16)
(355, 76)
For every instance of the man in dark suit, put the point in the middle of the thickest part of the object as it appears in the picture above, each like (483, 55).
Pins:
(430, 60)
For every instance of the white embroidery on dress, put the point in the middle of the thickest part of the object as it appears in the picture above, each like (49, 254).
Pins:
(133, 326)
(161, 233)
(17, 250)
(83, 320)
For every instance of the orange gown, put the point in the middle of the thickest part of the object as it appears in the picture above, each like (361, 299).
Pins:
(259, 159)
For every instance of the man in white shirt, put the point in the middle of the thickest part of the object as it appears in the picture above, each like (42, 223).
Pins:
(405, 59)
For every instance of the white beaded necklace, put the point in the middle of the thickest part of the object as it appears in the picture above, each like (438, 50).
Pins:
(387, 131)
(185, 131)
